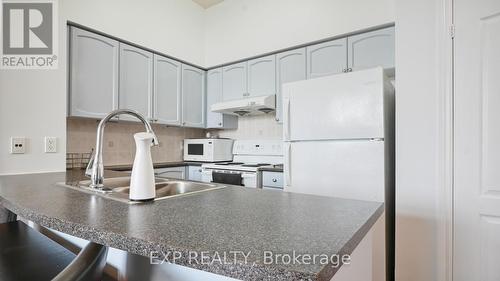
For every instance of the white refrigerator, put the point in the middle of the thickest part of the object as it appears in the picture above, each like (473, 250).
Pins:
(339, 139)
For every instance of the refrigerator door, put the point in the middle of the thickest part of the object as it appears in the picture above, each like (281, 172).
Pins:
(353, 169)
(342, 106)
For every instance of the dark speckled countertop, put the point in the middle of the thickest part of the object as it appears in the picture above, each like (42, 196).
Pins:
(222, 220)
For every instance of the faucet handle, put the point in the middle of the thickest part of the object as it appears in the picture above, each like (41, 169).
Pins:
(88, 170)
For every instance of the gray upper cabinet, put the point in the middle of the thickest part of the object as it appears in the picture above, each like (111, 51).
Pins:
(375, 48)
(290, 67)
(136, 80)
(234, 83)
(193, 97)
(261, 76)
(167, 106)
(93, 74)
(326, 58)
(214, 95)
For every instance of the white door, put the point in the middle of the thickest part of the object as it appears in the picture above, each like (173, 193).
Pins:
(193, 97)
(290, 67)
(344, 106)
(477, 141)
(354, 169)
(371, 49)
(94, 74)
(262, 76)
(234, 81)
(136, 81)
(327, 58)
(167, 91)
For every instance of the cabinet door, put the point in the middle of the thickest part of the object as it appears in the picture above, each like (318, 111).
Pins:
(371, 49)
(290, 67)
(94, 74)
(234, 81)
(327, 58)
(214, 95)
(194, 173)
(261, 76)
(167, 91)
(136, 80)
(193, 97)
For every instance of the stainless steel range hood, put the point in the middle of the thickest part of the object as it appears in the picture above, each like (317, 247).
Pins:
(248, 106)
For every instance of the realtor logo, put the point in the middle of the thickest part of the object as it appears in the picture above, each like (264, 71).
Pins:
(29, 30)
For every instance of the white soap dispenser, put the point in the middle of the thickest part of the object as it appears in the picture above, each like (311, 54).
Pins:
(142, 181)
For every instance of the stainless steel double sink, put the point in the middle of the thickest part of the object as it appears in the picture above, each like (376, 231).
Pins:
(118, 188)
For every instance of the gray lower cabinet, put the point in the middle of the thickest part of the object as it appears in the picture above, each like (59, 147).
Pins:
(261, 76)
(326, 58)
(172, 172)
(370, 49)
(194, 173)
(167, 105)
(93, 74)
(136, 80)
(290, 67)
(272, 180)
(214, 95)
(234, 82)
(193, 97)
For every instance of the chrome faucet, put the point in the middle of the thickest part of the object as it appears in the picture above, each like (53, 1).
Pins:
(95, 168)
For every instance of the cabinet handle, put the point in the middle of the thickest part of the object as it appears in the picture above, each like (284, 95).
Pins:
(344, 70)
(349, 69)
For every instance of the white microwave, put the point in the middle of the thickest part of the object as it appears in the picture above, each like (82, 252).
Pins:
(208, 150)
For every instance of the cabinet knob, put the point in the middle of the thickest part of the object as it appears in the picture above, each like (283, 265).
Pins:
(220, 124)
(275, 180)
(349, 69)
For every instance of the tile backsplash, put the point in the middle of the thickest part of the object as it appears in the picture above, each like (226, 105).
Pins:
(119, 144)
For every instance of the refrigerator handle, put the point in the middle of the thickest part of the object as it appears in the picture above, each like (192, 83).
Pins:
(288, 165)
(286, 119)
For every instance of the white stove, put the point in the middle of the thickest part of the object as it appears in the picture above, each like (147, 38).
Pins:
(248, 157)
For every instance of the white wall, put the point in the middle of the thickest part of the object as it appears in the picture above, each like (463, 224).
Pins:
(236, 29)
(419, 109)
(33, 102)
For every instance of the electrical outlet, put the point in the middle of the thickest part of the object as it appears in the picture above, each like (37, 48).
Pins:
(17, 145)
(50, 144)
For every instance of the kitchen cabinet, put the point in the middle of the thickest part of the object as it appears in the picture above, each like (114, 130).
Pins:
(261, 76)
(93, 74)
(326, 58)
(194, 173)
(371, 49)
(272, 180)
(290, 67)
(214, 95)
(193, 97)
(136, 80)
(234, 82)
(171, 173)
(167, 106)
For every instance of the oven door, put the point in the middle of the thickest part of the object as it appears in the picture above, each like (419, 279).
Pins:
(246, 179)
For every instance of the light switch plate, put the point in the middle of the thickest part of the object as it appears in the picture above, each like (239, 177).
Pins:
(50, 144)
(17, 145)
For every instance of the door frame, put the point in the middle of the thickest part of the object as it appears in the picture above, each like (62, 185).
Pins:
(445, 200)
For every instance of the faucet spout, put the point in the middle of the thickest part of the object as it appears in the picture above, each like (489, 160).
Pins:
(95, 168)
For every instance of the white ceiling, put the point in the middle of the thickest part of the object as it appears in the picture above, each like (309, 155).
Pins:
(207, 3)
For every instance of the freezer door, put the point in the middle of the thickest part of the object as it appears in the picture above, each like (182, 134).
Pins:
(342, 106)
(346, 169)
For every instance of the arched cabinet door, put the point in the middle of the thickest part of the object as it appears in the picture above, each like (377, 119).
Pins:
(327, 58)
(93, 74)
(234, 82)
(371, 49)
(167, 106)
(261, 76)
(193, 97)
(136, 80)
(290, 67)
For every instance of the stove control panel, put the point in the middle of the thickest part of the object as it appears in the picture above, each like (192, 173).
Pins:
(245, 147)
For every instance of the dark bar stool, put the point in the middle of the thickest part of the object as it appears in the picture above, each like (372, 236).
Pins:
(26, 254)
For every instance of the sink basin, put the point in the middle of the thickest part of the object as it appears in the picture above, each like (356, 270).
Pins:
(118, 188)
